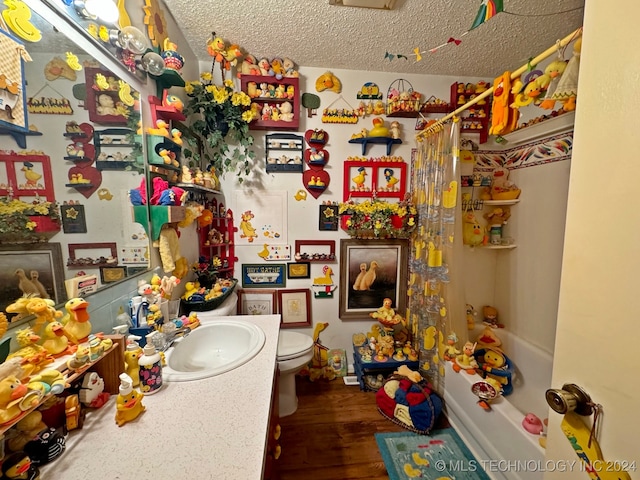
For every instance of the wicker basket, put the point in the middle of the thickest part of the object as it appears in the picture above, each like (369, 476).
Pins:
(207, 305)
(402, 100)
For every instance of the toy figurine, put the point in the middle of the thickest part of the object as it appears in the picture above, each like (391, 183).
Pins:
(466, 360)
(92, 392)
(77, 326)
(129, 402)
(46, 446)
(471, 313)
(450, 350)
(490, 315)
(12, 392)
(379, 129)
(19, 466)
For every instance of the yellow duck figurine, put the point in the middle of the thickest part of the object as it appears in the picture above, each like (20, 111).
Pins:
(131, 357)
(54, 340)
(43, 310)
(12, 392)
(77, 326)
(360, 178)
(18, 16)
(162, 129)
(35, 357)
(80, 358)
(379, 129)
(190, 288)
(129, 402)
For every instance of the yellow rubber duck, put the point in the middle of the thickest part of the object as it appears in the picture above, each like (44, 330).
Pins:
(55, 341)
(11, 393)
(77, 326)
(18, 16)
(162, 129)
(190, 289)
(378, 130)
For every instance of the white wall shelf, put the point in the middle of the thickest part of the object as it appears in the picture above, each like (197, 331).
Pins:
(561, 123)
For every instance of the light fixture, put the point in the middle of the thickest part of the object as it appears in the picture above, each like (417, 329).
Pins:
(129, 38)
(380, 4)
(106, 11)
(152, 63)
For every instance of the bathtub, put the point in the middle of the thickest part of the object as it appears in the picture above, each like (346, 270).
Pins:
(497, 436)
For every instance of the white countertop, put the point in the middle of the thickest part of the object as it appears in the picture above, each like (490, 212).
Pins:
(211, 428)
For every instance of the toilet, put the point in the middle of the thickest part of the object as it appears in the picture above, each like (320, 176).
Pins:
(295, 351)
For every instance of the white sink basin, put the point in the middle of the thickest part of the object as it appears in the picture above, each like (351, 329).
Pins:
(213, 348)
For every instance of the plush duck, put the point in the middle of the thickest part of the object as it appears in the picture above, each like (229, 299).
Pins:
(55, 342)
(77, 326)
(11, 393)
(43, 310)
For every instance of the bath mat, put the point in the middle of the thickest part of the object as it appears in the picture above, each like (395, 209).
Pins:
(442, 454)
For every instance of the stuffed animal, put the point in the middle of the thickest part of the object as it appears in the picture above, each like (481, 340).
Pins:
(567, 90)
(249, 66)
(502, 188)
(286, 112)
(500, 110)
(472, 230)
(554, 72)
(498, 216)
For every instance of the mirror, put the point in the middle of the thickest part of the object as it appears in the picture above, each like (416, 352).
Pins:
(71, 151)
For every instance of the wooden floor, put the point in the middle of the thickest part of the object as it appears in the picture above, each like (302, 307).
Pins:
(331, 435)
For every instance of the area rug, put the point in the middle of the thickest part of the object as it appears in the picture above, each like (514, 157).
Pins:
(438, 456)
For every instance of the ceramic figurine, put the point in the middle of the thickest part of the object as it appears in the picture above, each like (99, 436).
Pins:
(129, 402)
(92, 392)
(34, 356)
(80, 358)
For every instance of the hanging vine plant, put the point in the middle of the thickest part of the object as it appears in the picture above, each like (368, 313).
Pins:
(221, 117)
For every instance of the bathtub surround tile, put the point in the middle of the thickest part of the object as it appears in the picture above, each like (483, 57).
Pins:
(442, 454)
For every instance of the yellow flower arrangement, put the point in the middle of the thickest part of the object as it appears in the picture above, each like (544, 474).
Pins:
(18, 219)
(379, 219)
(222, 115)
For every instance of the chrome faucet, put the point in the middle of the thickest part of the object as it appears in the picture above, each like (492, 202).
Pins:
(164, 341)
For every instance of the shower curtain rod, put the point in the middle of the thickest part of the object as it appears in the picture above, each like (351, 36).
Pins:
(549, 51)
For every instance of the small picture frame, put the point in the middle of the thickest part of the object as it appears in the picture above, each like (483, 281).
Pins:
(73, 218)
(112, 274)
(298, 270)
(256, 302)
(328, 217)
(294, 306)
(263, 276)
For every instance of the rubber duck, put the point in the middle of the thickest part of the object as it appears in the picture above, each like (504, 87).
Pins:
(11, 393)
(54, 340)
(20, 467)
(165, 155)
(466, 361)
(379, 129)
(43, 310)
(176, 136)
(77, 326)
(532, 424)
(190, 289)
(129, 401)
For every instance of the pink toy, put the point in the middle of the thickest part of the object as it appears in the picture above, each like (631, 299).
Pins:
(532, 424)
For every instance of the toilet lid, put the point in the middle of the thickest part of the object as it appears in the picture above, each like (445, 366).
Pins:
(292, 344)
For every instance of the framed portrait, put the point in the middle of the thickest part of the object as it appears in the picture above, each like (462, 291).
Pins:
(298, 270)
(263, 276)
(112, 274)
(294, 306)
(370, 271)
(31, 268)
(256, 302)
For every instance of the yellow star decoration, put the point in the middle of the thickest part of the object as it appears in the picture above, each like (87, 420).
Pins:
(328, 212)
(71, 213)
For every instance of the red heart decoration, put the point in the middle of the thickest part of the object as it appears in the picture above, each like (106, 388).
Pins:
(311, 177)
(88, 173)
(319, 160)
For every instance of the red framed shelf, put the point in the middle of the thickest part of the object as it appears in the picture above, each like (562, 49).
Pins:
(375, 179)
(287, 82)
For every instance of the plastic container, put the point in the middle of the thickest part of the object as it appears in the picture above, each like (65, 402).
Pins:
(150, 364)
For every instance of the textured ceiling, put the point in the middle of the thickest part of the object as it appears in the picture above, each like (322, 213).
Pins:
(315, 34)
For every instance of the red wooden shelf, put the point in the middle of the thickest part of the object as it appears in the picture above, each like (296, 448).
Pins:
(262, 100)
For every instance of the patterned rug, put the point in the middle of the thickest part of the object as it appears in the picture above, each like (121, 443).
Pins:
(439, 456)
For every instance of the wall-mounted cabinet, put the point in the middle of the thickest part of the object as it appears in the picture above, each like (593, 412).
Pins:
(474, 119)
(284, 152)
(274, 98)
(217, 240)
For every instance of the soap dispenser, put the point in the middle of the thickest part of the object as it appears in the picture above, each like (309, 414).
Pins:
(150, 369)
(129, 401)
(132, 355)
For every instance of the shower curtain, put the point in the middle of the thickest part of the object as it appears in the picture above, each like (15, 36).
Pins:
(436, 297)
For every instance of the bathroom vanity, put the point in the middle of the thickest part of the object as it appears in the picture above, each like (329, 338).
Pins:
(217, 427)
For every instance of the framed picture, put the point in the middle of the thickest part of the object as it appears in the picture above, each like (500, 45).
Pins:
(29, 269)
(256, 302)
(112, 274)
(329, 218)
(73, 218)
(298, 270)
(295, 308)
(263, 276)
(370, 271)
